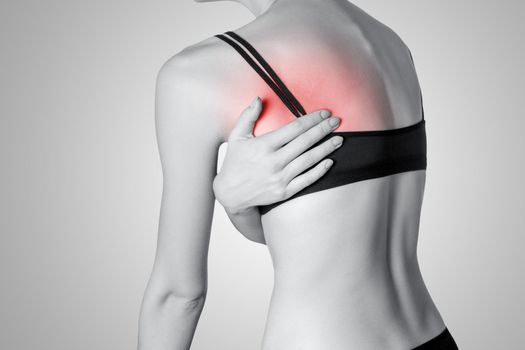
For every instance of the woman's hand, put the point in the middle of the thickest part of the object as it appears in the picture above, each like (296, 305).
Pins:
(266, 169)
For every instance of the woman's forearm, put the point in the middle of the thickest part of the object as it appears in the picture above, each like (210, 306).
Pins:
(249, 224)
(168, 324)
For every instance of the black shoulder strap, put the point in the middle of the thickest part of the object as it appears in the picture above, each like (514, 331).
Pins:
(276, 84)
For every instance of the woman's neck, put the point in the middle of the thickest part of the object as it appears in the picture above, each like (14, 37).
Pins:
(259, 7)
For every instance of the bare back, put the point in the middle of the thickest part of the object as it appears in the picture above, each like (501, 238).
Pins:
(345, 259)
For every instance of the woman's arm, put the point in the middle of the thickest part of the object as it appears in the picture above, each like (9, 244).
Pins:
(188, 136)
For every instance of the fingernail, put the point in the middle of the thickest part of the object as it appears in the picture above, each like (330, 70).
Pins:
(337, 141)
(325, 114)
(334, 121)
(328, 163)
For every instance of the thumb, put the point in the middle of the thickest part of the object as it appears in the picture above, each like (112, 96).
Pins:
(247, 119)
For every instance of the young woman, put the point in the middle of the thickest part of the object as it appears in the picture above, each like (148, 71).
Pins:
(342, 238)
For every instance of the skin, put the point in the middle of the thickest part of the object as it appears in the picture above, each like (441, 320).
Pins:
(345, 259)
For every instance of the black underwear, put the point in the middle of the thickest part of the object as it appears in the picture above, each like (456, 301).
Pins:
(443, 341)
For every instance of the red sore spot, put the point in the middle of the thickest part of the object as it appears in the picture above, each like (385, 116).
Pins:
(351, 90)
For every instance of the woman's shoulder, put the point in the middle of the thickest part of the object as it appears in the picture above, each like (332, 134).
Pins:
(198, 58)
(201, 74)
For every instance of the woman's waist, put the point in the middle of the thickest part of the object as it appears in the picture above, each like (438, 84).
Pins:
(326, 331)
(361, 313)
(348, 282)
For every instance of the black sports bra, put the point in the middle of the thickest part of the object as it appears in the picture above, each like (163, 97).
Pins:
(363, 154)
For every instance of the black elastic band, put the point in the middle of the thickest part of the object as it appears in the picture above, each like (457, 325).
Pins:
(282, 95)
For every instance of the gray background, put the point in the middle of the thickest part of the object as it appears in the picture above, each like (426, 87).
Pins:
(80, 176)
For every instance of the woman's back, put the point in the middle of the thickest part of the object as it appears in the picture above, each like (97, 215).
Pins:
(345, 258)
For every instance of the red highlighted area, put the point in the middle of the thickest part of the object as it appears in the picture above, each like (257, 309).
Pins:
(351, 90)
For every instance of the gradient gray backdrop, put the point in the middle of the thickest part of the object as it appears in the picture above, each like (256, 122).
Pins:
(80, 178)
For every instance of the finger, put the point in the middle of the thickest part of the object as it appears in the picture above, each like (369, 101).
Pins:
(308, 178)
(288, 132)
(246, 121)
(303, 142)
(312, 157)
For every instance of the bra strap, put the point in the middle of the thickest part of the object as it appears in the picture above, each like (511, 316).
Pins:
(269, 69)
(285, 95)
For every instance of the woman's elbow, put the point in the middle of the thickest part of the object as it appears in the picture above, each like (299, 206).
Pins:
(256, 238)
(175, 299)
(187, 302)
